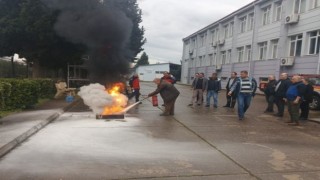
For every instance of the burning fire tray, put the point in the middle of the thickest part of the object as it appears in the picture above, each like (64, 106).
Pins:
(110, 116)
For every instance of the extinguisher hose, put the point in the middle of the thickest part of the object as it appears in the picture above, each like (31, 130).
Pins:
(131, 106)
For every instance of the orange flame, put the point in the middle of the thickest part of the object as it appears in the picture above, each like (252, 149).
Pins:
(119, 100)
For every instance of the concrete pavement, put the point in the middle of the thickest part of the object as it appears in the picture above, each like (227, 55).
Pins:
(197, 143)
(16, 128)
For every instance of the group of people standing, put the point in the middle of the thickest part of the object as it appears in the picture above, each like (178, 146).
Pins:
(295, 93)
(240, 89)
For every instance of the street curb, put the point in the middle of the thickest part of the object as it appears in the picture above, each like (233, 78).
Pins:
(33, 130)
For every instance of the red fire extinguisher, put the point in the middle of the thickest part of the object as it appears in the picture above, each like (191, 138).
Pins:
(155, 100)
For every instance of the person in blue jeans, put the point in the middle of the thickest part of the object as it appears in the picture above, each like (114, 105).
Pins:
(245, 87)
(213, 88)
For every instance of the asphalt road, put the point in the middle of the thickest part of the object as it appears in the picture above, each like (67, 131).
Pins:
(197, 143)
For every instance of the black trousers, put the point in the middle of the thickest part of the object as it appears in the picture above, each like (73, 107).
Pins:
(136, 94)
(231, 100)
(280, 105)
(304, 106)
(270, 101)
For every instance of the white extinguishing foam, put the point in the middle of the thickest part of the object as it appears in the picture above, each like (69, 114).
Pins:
(97, 98)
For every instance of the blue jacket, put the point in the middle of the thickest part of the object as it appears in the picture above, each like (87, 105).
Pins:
(295, 90)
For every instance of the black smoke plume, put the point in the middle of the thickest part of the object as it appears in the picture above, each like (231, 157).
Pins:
(102, 28)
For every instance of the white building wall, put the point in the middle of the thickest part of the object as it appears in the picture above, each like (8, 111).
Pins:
(149, 72)
(308, 21)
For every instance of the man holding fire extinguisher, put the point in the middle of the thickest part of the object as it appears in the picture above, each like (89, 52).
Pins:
(168, 93)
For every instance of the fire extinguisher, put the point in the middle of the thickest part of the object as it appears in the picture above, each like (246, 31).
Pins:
(155, 100)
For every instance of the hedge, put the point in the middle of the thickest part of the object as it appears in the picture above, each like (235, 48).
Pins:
(24, 93)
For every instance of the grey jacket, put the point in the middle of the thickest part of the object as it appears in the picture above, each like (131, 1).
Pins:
(204, 83)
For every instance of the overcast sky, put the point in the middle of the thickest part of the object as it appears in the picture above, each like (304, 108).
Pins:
(167, 22)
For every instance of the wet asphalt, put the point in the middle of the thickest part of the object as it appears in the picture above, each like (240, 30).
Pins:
(196, 143)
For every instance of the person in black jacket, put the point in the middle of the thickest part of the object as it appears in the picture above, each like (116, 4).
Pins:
(270, 92)
(280, 93)
(307, 99)
(231, 100)
(213, 88)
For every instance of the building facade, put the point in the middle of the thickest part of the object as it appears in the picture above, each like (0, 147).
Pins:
(149, 72)
(264, 37)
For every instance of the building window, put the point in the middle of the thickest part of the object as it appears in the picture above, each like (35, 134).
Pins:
(277, 11)
(228, 56)
(217, 34)
(211, 59)
(248, 53)
(243, 22)
(300, 6)
(274, 49)
(203, 40)
(240, 54)
(295, 45)
(231, 29)
(214, 35)
(263, 50)
(250, 22)
(214, 60)
(193, 44)
(266, 15)
(226, 31)
(204, 61)
(199, 64)
(314, 42)
(315, 4)
(223, 57)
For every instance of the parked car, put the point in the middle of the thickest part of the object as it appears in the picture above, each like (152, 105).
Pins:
(314, 79)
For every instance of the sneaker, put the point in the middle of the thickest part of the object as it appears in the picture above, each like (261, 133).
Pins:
(225, 106)
(207, 105)
(199, 104)
(190, 104)
(215, 106)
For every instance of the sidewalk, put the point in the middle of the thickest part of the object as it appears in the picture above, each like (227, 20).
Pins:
(16, 128)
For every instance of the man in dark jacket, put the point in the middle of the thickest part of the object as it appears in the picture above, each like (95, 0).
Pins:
(280, 93)
(270, 92)
(168, 93)
(307, 99)
(199, 86)
(213, 87)
(293, 98)
(231, 100)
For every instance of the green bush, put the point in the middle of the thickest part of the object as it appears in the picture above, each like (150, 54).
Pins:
(5, 91)
(47, 88)
(25, 93)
